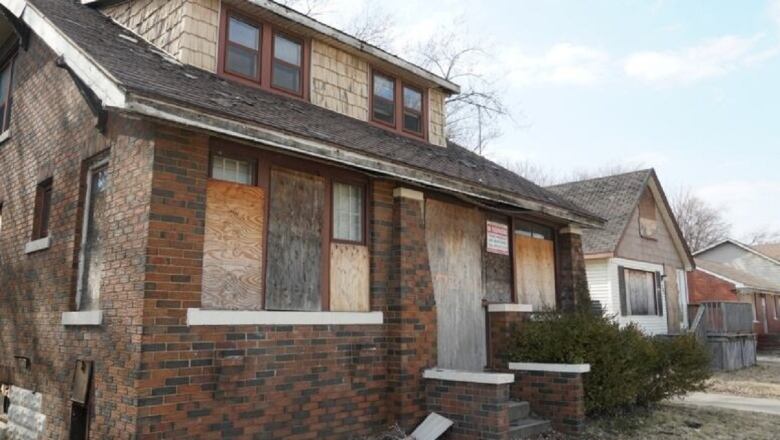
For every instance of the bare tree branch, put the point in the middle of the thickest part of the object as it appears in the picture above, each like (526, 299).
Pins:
(373, 24)
(312, 8)
(762, 236)
(531, 171)
(701, 223)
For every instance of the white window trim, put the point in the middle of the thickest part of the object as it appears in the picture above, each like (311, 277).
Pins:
(87, 317)
(510, 308)
(198, 317)
(37, 245)
(553, 368)
(469, 376)
(643, 266)
(84, 226)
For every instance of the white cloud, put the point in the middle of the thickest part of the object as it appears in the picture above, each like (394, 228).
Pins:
(563, 63)
(774, 11)
(714, 57)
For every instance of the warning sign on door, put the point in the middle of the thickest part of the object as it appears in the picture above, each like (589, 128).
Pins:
(497, 238)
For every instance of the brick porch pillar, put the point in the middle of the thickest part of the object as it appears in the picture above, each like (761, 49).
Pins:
(572, 280)
(411, 317)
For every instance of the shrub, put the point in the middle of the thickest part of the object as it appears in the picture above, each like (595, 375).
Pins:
(627, 367)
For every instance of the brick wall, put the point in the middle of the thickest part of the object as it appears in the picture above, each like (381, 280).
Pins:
(53, 140)
(480, 411)
(572, 279)
(559, 397)
(705, 287)
(502, 326)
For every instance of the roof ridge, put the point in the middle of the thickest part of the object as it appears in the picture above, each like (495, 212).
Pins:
(593, 179)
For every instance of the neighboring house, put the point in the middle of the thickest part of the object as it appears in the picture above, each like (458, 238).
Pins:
(226, 219)
(733, 271)
(637, 263)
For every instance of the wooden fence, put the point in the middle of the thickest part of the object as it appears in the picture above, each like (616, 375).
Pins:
(727, 330)
(723, 318)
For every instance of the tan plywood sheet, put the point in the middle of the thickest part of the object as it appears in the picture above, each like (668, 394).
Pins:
(535, 271)
(349, 278)
(454, 235)
(233, 247)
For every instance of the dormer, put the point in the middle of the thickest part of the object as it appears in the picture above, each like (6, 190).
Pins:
(263, 44)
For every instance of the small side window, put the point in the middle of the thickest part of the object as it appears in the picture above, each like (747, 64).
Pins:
(413, 108)
(287, 62)
(242, 55)
(42, 209)
(5, 96)
(383, 101)
(347, 212)
(232, 170)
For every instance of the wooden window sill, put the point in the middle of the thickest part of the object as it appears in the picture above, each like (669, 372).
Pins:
(197, 317)
(90, 317)
(37, 245)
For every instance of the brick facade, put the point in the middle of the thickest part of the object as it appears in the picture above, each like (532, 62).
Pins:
(502, 325)
(480, 411)
(54, 140)
(559, 397)
(705, 287)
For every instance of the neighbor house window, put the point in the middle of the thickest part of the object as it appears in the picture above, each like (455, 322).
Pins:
(242, 53)
(256, 52)
(42, 209)
(232, 170)
(93, 237)
(640, 292)
(777, 302)
(413, 107)
(287, 64)
(398, 105)
(383, 99)
(5, 96)
(347, 212)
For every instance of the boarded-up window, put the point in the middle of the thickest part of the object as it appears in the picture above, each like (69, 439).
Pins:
(498, 262)
(42, 212)
(647, 218)
(93, 238)
(534, 268)
(349, 278)
(640, 292)
(79, 396)
(295, 228)
(233, 247)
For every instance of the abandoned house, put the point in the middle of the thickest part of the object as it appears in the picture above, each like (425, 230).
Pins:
(637, 264)
(226, 219)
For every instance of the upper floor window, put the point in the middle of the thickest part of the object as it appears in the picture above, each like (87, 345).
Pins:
(398, 105)
(288, 63)
(42, 209)
(258, 54)
(5, 95)
(242, 54)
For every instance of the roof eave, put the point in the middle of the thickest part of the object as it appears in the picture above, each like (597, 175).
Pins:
(296, 144)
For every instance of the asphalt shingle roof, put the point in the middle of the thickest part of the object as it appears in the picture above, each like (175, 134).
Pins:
(771, 250)
(613, 198)
(738, 275)
(143, 70)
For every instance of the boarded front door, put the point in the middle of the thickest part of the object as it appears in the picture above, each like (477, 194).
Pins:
(454, 236)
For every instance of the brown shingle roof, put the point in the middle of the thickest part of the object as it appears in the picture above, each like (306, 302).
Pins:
(142, 70)
(747, 279)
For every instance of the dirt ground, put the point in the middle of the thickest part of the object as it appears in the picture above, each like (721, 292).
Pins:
(669, 422)
(762, 380)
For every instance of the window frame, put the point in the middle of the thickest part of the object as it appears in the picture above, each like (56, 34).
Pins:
(345, 180)
(43, 204)
(5, 118)
(91, 169)
(228, 43)
(301, 43)
(658, 295)
(404, 110)
(398, 111)
(253, 163)
(265, 161)
(264, 79)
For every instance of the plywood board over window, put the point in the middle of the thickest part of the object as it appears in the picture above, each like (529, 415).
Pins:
(233, 248)
(349, 285)
(648, 225)
(295, 228)
(535, 271)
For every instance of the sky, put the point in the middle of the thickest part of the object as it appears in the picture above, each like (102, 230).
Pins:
(689, 87)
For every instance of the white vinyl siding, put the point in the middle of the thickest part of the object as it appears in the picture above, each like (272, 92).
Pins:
(598, 283)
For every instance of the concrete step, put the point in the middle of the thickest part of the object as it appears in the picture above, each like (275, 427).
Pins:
(518, 410)
(525, 428)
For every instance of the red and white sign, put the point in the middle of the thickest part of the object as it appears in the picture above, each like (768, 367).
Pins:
(497, 238)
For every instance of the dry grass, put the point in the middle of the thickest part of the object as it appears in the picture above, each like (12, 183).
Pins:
(670, 422)
(762, 380)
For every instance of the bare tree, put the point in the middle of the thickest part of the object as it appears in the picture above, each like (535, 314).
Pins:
(373, 24)
(312, 8)
(701, 223)
(473, 116)
(762, 236)
(531, 171)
